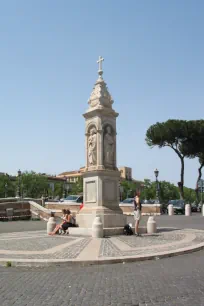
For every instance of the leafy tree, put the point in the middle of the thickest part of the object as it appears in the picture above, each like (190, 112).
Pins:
(175, 134)
(168, 192)
(77, 187)
(130, 187)
(201, 162)
(194, 146)
(7, 186)
(32, 184)
(190, 195)
(59, 190)
(148, 191)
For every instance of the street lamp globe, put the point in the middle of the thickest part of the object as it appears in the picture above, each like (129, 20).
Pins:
(156, 172)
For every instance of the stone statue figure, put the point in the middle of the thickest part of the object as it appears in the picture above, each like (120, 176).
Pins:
(92, 147)
(109, 147)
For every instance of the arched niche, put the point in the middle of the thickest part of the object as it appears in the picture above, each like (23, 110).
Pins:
(109, 146)
(91, 145)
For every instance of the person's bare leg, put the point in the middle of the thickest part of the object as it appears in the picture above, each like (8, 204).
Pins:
(136, 226)
(55, 230)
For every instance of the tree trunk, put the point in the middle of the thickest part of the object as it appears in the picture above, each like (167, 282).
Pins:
(198, 179)
(181, 183)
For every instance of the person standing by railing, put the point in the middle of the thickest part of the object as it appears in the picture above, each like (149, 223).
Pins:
(137, 212)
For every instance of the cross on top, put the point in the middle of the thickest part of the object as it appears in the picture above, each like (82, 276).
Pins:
(100, 71)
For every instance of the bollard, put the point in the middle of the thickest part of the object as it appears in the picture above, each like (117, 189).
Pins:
(202, 210)
(51, 224)
(187, 210)
(97, 228)
(9, 213)
(170, 210)
(151, 225)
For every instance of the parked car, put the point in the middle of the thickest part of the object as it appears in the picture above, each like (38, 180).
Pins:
(194, 207)
(128, 201)
(179, 206)
(73, 199)
(199, 208)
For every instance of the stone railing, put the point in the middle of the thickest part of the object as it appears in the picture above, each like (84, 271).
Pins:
(57, 207)
(147, 209)
(39, 211)
(22, 209)
(31, 208)
(5, 200)
(15, 210)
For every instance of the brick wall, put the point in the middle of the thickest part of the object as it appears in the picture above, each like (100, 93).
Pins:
(19, 209)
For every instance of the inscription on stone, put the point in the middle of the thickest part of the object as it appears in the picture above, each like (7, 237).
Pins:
(90, 191)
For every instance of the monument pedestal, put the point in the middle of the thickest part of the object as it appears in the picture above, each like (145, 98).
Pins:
(101, 199)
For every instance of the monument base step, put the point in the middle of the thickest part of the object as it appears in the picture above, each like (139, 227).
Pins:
(82, 231)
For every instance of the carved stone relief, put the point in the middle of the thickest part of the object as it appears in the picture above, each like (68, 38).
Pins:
(109, 147)
(92, 147)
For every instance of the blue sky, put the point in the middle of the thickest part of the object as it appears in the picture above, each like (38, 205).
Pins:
(153, 66)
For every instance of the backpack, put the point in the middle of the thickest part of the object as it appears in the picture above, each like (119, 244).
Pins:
(127, 230)
(73, 221)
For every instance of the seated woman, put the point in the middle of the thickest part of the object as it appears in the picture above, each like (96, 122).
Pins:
(69, 222)
(59, 226)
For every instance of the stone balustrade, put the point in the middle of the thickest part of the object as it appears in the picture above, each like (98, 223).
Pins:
(147, 209)
(26, 208)
(20, 209)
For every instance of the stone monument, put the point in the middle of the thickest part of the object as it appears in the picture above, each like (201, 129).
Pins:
(101, 176)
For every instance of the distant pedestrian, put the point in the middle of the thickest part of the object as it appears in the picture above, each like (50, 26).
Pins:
(137, 212)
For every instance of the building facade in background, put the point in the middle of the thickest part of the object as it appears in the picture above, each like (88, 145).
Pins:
(125, 173)
(73, 176)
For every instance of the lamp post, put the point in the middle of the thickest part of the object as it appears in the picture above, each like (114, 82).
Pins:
(156, 172)
(64, 188)
(18, 186)
(6, 186)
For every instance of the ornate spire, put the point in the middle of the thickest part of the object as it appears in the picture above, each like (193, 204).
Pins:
(100, 95)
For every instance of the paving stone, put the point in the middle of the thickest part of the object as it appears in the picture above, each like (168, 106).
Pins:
(171, 281)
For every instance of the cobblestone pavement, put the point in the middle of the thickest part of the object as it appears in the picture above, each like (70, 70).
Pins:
(37, 245)
(172, 281)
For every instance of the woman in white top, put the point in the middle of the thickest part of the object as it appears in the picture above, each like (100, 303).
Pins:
(137, 212)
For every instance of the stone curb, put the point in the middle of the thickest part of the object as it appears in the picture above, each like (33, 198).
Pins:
(100, 261)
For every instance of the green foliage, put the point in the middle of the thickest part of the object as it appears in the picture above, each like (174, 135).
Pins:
(129, 188)
(201, 159)
(77, 188)
(170, 133)
(193, 145)
(167, 191)
(7, 186)
(186, 138)
(32, 184)
(190, 195)
(58, 191)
